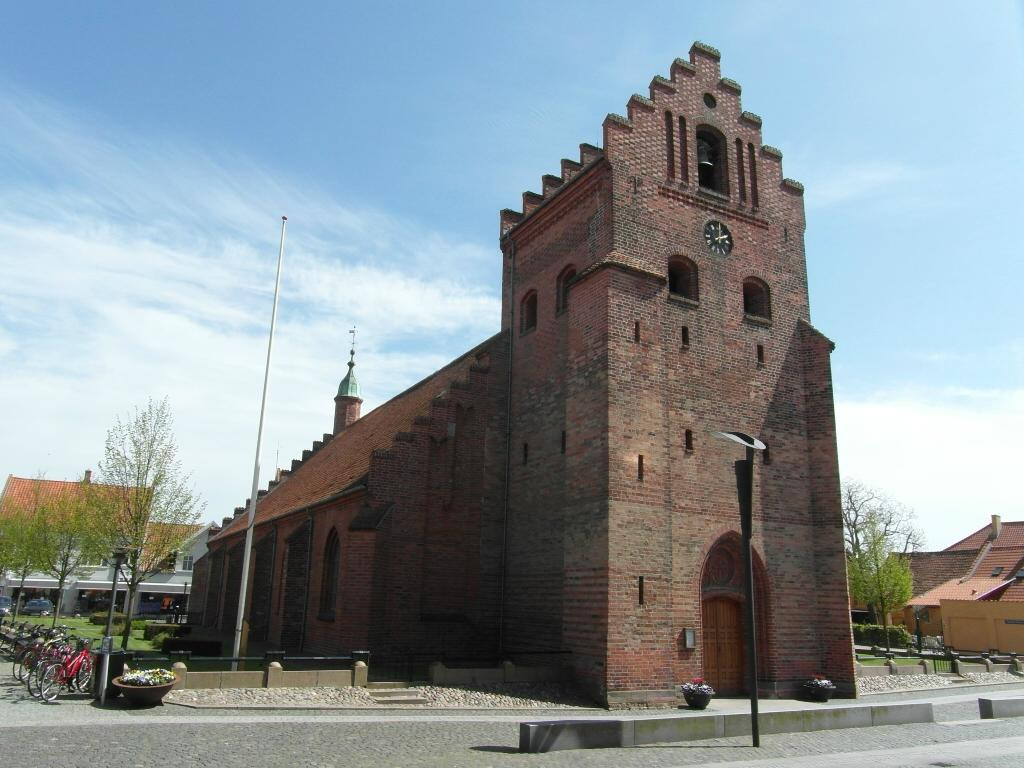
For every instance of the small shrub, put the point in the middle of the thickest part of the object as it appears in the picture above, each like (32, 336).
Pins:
(139, 623)
(153, 630)
(874, 634)
(100, 618)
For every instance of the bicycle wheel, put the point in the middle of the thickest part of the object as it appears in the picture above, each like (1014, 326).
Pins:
(83, 678)
(49, 682)
(24, 663)
(34, 675)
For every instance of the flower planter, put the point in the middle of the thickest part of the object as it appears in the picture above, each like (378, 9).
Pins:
(818, 693)
(143, 695)
(697, 700)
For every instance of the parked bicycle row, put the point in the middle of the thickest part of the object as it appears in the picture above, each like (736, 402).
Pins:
(48, 660)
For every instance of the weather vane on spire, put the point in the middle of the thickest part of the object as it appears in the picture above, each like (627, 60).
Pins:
(353, 332)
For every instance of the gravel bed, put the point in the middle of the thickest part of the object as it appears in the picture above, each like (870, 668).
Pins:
(273, 697)
(504, 696)
(887, 683)
(507, 696)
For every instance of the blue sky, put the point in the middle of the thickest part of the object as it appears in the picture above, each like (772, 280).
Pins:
(147, 151)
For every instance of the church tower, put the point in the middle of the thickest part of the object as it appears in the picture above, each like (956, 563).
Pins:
(347, 402)
(655, 292)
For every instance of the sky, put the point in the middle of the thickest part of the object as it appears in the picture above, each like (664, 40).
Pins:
(148, 151)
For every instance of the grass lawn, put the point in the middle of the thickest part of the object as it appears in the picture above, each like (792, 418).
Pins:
(83, 628)
(874, 661)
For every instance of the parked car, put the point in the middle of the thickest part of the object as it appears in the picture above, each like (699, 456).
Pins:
(38, 607)
(5, 605)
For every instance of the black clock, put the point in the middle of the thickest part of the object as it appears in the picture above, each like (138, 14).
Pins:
(718, 237)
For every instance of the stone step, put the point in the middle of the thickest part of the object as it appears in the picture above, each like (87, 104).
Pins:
(391, 693)
(404, 700)
(379, 684)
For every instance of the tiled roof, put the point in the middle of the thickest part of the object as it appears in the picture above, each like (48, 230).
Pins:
(346, 458)
(930, 569)
(1013, 593)
(954, 589)
(1007, 558)
(25, 492)
(1011, 534)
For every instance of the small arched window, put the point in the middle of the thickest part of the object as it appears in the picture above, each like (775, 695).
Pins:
(329, 578)
(682, 278)
(564, 281)
(756, 299)
(528, 312)
(712, 161)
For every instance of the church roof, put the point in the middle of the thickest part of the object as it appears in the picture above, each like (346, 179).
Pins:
(345, 461)
(1011, 534)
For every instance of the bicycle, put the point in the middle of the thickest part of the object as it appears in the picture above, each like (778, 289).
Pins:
(74, 670)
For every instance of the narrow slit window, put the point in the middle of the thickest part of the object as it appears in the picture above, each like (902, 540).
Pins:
(528, 312)
(640, 590)
(688, 440)
(563, 441)
(686, 337)
(753, 174)
(739, 167)
(684, 162)
(636, 331)
(766, 455)
(562, 289)
(640, 467)
(760, 355)
(670, 144)
(526, 452)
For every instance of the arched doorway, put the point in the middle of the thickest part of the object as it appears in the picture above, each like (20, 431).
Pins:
(722, 612)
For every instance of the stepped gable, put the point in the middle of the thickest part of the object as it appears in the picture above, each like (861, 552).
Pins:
(681, 92)
(345, 460)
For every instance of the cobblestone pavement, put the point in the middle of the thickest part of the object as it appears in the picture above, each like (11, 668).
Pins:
(74, 732)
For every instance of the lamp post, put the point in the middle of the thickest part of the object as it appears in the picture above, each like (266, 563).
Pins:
(745, 493)
(120, 554)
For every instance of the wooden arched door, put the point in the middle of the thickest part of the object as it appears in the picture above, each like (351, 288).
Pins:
(723, 645)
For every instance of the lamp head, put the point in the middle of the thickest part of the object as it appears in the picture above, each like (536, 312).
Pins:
(742, 438)
(120, 555)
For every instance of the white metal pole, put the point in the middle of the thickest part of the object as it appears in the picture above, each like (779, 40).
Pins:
(256, 464)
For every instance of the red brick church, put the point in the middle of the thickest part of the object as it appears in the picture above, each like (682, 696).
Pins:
(554, 495)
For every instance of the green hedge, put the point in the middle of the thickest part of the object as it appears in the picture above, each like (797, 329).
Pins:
(152, 630)
(874, 634)
(100, 618)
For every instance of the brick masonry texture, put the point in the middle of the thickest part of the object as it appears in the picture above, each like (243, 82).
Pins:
(496, 510)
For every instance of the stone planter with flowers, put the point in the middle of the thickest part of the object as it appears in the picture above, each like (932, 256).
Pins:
(818, 688)
(697, 693)
(145, 687)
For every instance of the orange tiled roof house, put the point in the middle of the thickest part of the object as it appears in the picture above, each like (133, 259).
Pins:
(984, 568)
(554, 495)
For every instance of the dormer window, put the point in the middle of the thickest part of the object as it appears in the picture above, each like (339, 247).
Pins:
(682, 278)
(712, 170)
(997, 570)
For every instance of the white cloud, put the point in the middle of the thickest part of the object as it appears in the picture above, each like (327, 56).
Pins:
(139, 268)
(952, 455)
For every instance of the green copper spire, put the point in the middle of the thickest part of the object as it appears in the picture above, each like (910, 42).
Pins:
(349, 387)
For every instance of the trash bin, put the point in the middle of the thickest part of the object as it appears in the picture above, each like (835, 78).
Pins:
(115, 667)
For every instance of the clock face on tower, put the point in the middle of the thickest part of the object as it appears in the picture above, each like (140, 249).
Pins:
(718, 237)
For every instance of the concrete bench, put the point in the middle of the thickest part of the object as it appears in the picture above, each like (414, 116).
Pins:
(998, 708)
(602, 733)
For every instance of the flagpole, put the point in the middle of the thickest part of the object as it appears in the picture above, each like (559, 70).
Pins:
(239, 619)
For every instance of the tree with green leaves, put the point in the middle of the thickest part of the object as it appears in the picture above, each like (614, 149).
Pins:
(20, 534)
(72, 532)
(151, 504)
(879, 534)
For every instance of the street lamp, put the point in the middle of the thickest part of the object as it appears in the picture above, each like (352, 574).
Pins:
(745, 493)
(120, 554)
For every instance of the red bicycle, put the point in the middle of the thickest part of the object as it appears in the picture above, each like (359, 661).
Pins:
(74, 670)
